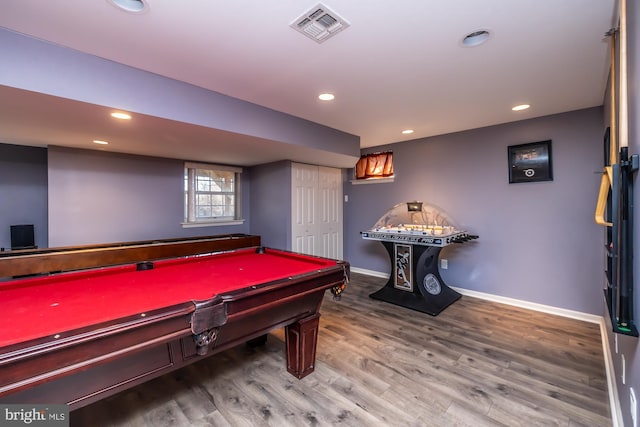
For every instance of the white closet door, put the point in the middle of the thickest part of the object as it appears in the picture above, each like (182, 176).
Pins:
(304, 194)
(317, 210)
(329, 224)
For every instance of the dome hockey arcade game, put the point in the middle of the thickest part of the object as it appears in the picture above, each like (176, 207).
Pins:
(413, 235)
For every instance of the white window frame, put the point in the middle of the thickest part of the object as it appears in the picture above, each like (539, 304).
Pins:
(190, 219)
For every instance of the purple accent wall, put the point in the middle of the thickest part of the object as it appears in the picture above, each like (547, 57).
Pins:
(271, 204)
(23, 191)
(39, 66)
(538, 241)
(100, 197)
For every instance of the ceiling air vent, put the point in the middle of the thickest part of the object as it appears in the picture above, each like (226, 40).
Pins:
(319, 23)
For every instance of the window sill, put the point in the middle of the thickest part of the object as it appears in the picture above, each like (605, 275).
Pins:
(212, 223)
(372, 180)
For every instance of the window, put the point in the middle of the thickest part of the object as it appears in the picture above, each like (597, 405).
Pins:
(211, 194)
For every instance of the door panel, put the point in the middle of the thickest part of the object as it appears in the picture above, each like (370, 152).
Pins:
(304, 194)
(330, 224)
(317, 210)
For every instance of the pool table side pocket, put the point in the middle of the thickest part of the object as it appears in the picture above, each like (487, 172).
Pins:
(206, 321)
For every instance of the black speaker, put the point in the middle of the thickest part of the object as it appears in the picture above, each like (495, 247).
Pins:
(22, 237)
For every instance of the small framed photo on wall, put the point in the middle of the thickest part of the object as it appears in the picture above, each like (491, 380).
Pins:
(530, 162)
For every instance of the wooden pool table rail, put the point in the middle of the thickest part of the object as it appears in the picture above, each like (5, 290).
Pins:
(68, 258)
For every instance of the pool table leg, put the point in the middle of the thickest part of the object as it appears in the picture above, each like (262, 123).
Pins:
(301, 338)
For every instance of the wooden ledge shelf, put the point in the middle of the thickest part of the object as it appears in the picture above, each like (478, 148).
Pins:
(372, 180)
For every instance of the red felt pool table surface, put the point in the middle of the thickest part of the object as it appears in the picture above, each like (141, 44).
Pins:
(44, 306)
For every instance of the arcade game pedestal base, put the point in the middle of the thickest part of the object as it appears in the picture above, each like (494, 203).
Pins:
(416, 283)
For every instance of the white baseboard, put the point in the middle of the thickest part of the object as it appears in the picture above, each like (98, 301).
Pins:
(370, 272)
(586, 317)
(591, 318)
(614, 401)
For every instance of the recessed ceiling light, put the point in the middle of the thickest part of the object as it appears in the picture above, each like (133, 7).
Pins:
(97, 141)
(134, 6)
(476, 38)
(521, 107)
(326, 97)
(120, 115)
(407, 131)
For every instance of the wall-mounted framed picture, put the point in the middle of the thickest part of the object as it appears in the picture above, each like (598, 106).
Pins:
(530, 162)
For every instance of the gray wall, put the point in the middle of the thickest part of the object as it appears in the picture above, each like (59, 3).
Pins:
(100, 197)
(538, 241)
(23, 191)
(628, 347)
(271, 204)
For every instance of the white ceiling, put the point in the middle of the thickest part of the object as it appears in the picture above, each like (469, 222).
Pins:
(400, 64)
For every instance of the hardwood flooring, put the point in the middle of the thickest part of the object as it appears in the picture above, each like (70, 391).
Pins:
(478, 363)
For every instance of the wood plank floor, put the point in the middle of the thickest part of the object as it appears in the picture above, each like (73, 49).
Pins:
(478, 363)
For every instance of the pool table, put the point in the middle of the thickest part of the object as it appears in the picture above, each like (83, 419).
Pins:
(77, 337)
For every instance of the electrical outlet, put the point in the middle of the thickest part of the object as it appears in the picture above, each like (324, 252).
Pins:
(633, 407)
(444, 264)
